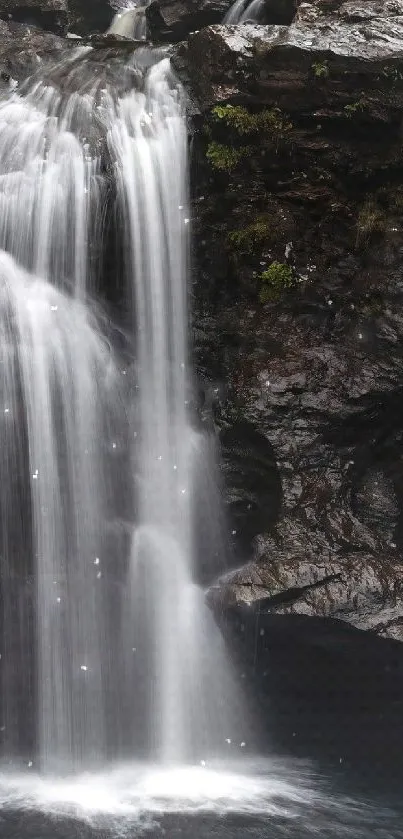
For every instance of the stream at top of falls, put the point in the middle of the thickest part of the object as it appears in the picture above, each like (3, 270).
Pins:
(121, 714)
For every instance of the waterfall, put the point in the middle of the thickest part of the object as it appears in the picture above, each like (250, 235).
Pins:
(122, 654)
(130, 21)
(245, 11)
(148, 143)
(130, 24)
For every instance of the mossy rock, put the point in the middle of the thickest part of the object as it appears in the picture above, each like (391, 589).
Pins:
(275, 280)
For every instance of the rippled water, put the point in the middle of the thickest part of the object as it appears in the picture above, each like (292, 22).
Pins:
(253, 798)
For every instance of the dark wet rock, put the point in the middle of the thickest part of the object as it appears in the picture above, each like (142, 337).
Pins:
(297, 165)
(47, 14)
(23, 50)
(82, 17)
(295, 573)
(89, 16)
(278, 12)
(172, 20)
(262, 63)
(355, 11)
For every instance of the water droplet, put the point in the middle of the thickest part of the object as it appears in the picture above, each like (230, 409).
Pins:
(58, 599)
(99, 575)
(243, 744)
(183, 491)
(175, 467)
(261, 632)
(267, 383)
(180, 207)
(124, 372)
(186, 220)
(133, 649)
(96, 560)
(114, 445)
(330, 302)
(234, 532)
(83, 667)
(159, 457)
(228, 740)
(360, 335)
(30, 764)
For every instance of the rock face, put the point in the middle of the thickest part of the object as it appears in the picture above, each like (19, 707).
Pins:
(89, 16)
(172, 20)
(83, 17)
(22, 51)
(298, 323)
(47, 14)
(274, 64)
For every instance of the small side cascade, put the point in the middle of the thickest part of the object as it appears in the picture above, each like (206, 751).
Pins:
(130, 22)
(245, 11)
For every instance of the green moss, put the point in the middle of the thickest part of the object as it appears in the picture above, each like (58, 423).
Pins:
(236, 117)
(268, 123)
(321, 69)
(223, 157)
(277, 278)
(369, 222)
(355, 108)
(246, 240)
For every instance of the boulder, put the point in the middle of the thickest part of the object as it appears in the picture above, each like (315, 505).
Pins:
(89, 16)
(172, 20)
(23, 49)
(47, 14)
(294, 572)
(264, 63)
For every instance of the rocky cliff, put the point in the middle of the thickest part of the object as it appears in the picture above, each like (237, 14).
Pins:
(297, 295)
(298, 289)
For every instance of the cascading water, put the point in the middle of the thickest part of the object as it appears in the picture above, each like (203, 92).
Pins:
(127, 660)
(130, 20)
(148, 142)
(108, 652)
(245, 11)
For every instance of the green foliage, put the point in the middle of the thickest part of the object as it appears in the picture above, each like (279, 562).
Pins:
(234, 116)
(278, 277)
(269, 122)
(250, 237)
(369, 222)
(355, 108)
(223, 157)
(321, 69)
